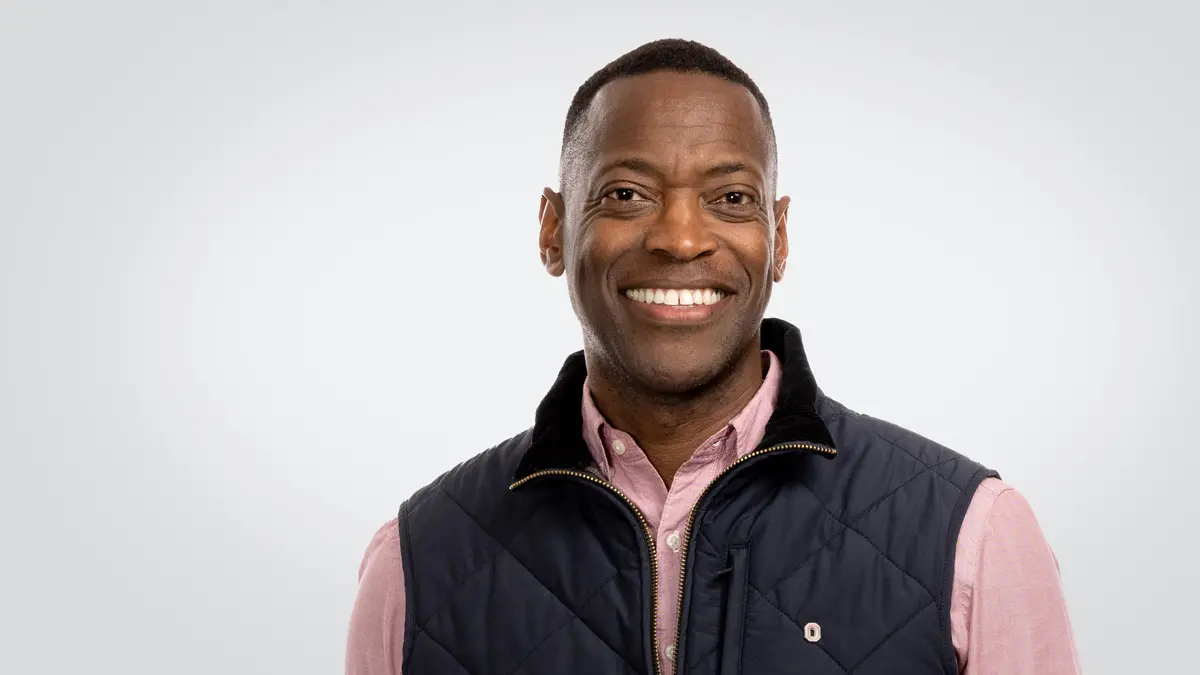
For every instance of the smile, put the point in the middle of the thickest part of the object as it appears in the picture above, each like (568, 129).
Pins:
(681, 297)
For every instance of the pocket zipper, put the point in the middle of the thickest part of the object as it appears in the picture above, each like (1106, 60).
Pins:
(736, 595)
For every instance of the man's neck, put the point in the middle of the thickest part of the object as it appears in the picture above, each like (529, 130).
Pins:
(670, 428)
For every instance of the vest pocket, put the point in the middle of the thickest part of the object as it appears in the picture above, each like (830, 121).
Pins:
(736, 589)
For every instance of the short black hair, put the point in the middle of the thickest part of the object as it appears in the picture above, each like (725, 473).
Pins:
(668, 54)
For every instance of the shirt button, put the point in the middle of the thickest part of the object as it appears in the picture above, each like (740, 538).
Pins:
(673, 541)
(671, 653)
(618, 447)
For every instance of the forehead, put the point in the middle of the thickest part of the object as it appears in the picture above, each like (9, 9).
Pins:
(680, 120)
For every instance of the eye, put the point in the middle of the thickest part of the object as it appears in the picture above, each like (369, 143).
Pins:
(625, 195)
(737, 198)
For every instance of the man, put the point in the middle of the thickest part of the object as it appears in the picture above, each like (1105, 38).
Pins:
(687, 500)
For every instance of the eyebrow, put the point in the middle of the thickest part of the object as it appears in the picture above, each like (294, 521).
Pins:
(636, 164)
(726, 169)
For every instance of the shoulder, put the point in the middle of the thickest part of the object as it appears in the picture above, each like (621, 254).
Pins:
(1000, 538)
(986, 497)
(1000, 515)
(861, 434)
(970, 535)
(483, 478)
(383, 551)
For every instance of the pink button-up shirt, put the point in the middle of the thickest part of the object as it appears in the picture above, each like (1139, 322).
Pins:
(1007, 613)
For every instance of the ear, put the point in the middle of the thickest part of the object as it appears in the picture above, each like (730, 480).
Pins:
(781, 239)
(550, 234)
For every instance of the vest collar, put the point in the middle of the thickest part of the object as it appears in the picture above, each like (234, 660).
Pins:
(557, 435)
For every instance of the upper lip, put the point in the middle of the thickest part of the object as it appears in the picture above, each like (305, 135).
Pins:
(676, 282)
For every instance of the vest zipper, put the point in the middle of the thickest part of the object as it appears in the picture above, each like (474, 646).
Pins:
(645, 531)
(687, 530)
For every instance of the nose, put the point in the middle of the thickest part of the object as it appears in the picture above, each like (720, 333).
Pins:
(680, 231)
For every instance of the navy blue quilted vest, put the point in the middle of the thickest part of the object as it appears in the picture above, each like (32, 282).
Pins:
(828, 550)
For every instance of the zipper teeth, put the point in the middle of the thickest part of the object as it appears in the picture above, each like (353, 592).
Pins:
(687, 530)
(649, 542)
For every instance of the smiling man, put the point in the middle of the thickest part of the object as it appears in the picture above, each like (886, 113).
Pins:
(688, 500)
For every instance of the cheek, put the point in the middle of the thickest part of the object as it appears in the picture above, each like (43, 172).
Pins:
(755, 249)
(594, 251)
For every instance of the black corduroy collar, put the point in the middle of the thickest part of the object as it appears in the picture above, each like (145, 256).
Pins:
(557, 437)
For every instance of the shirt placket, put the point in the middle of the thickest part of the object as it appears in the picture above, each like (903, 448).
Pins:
(689, 482)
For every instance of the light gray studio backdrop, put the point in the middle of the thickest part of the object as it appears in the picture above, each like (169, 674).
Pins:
(267, 268)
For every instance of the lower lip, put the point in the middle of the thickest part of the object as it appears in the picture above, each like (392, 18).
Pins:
(675, 314)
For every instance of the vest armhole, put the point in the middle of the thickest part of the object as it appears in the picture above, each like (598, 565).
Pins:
(947, 590)
(410, 599)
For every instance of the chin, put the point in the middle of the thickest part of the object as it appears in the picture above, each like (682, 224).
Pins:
(672, 376)
(670, 363)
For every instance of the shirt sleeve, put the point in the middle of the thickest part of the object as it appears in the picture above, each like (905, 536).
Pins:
(1008, 612)
(375, 645)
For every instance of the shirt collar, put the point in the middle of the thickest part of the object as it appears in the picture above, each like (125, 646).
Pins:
(556, 440)
(746, 429)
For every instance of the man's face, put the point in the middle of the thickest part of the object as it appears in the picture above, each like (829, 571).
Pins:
(667, 229)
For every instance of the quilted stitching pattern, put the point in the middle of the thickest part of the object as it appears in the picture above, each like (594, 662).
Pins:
(570, 620)
(933, 466)
(561, 616)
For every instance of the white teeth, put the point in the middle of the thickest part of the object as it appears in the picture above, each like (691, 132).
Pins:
(685, 297)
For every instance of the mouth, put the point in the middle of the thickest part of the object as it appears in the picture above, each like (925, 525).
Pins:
(676, 306)
(675, 297)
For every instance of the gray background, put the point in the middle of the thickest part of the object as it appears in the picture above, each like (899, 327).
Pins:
(251, 254)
